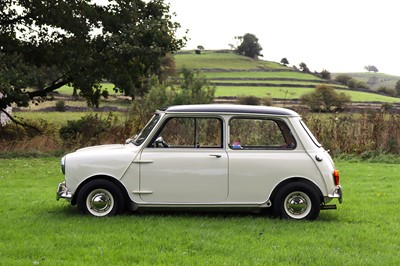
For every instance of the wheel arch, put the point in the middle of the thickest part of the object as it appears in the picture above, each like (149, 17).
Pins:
(296, 179)
(102, 177)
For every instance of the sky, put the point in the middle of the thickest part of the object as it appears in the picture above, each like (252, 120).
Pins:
(339, 35)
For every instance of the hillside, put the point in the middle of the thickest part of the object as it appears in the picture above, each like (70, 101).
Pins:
(235, 75)
(374, 80)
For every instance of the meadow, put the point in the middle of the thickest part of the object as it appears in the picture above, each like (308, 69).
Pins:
(38, 230)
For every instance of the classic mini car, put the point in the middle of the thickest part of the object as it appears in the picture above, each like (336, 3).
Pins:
(207, 156)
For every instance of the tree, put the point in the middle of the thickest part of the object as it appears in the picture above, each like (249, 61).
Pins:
(325, 74)
(47, 44)
(325, 99)
(188, 88)
(303, 67)
(370, 68)
(397, 88)
(249, 46)
(284, 61)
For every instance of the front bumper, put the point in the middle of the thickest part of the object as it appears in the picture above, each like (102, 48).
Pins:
(63, 192)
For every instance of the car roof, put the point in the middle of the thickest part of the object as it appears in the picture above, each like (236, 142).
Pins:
(229, 108)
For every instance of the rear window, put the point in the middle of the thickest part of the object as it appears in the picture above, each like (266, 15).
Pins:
(260, 134)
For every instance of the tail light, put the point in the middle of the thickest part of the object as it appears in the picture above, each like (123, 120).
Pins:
(336, 176)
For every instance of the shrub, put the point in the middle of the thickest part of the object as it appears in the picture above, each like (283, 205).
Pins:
(344, 79)
(87, 130)
(267, 101)
(387, 91)
(248, 100)
(60, 106)
(325, 99)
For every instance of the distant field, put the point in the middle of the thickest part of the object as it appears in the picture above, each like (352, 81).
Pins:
(260, 74)
(61, 118)
(376, 79)
(211, 59)
(67, 90)
(294, 93)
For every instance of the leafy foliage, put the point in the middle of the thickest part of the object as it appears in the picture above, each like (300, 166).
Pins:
(397, 88)
(370, 68)
(81, 43)
(325, 99)
(284, 61)
(249, 46)
(189, 88)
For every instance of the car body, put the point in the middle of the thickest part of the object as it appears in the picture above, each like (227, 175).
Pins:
(207, 156)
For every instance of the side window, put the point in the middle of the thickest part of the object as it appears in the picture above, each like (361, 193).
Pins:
(260, 134)
(190, 132)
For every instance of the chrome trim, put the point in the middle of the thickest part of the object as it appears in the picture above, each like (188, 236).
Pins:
(142, 192)
(63, 192)
(62, 164)
(337, 194)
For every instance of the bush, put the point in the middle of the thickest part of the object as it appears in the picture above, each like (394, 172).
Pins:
(344, 79)
(60, 106)
(387, 91)
(248, 100)
(87, 130)
(325, 99)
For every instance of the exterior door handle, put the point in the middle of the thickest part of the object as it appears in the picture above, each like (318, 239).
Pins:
(216, 155)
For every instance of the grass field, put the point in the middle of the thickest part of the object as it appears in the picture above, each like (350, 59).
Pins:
(379, 79)
(38, 230)
(294, 93)
(259, 74)
(210, 60)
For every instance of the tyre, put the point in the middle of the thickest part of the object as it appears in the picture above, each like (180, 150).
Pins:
(297, 201)
(100, 198)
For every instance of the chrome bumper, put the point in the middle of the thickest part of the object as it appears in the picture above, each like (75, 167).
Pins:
(337, 194)
(63, 192)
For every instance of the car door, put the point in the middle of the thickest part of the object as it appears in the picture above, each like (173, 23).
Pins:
(185, 163)
(262, 153)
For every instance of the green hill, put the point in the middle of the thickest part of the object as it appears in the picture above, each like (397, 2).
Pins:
(235, 75)
(373, 80)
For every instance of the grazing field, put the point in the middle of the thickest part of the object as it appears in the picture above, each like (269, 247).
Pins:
(294, 93)
(213, 60)
(38, 230)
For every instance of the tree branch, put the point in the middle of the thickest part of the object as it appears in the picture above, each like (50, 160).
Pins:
(19, 122)
(52, 87)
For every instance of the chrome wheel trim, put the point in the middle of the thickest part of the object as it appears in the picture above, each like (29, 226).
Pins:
(297, 205)
(100, 202)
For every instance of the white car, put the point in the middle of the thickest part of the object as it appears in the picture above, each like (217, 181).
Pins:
(207, 156)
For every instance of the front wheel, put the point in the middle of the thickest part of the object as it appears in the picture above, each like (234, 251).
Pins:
(297, 201)
(100, 198)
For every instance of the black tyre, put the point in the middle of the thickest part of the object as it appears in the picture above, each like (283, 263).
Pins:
(297, 201)
(100, 198)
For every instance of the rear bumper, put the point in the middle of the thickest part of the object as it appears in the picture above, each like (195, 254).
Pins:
(337, 194)
(63, 192)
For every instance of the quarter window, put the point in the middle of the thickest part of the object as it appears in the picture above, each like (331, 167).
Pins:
(260, 134)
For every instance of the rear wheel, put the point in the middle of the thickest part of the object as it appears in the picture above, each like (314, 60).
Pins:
(297, 201)
(100, 198)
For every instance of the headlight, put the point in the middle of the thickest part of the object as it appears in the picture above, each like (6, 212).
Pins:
(63, 164)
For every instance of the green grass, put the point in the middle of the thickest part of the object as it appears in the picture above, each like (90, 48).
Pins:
(68, 90)
(381, 79)
(212, 60)
(38, 230)
(294, 93)
(261, 74)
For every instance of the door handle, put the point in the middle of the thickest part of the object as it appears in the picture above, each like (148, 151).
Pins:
(216, 155)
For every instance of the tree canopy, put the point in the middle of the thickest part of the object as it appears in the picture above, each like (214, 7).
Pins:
(249, 46)
(370, 68)
(47, 44)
